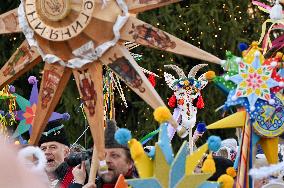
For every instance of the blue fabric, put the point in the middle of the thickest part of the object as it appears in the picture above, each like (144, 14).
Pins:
(209, 184)
(201, 127)
(255, 138)
(165, 144)
(177, 171)
(256, 62)
(144, 183)
(22, 128)
(22, 102)
(34, 94)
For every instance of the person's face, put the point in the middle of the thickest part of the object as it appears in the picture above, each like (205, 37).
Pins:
(198, 168)
(117, 163)
(260, 182)
(55, 153)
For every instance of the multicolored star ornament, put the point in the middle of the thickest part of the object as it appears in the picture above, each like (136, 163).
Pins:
(258, 90)
(223, 83)
(254, 79)
(28, 109)
(231, 63)
(231, 66)
(229, 87)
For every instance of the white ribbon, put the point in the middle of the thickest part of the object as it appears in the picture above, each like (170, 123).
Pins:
(86, 53)
(263, 172)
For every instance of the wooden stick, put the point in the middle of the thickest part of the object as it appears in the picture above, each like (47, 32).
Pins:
(94, 166)
(244, 156)
(145, 34)
(9, 22)
(190, 140)
(20, 62)
(55, 78)
(89, 81)
(136, 6)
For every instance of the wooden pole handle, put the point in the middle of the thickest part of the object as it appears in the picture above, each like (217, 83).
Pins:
(94, 166)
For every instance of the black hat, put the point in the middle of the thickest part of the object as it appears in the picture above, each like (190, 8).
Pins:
(110, 130)
(221, 164)
(54, 132)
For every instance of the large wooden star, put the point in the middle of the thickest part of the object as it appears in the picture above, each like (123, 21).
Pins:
(78, 37)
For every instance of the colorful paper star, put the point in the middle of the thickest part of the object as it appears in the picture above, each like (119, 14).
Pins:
(169, 172)
(28, 108)
(224, 83)
(254, 81)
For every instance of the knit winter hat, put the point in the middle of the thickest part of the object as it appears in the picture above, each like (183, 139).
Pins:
(54, 132)
(110, 141)
(228, 149)
(230, 143)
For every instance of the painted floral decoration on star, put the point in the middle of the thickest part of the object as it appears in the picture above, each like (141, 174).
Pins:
(187, 97)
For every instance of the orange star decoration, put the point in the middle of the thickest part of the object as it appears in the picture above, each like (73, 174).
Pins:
(120, 183)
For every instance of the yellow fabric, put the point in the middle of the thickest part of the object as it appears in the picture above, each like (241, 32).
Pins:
(209, 165)
(226, 181)
(249, 56)
(270, 149)
(279, 55)
(236, 120)
(161, 167)
(193, 159)
(231, 172)
(143, 163)
(193, 181)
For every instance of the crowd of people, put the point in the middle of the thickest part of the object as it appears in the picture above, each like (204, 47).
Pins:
(55, 146)
(58, 173)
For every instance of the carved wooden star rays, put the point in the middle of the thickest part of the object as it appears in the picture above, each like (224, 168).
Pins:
(78, 37)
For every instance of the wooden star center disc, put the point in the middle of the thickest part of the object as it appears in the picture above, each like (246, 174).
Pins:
(54, 10)
(59, 20)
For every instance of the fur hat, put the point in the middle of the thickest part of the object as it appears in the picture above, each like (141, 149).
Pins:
(228, 149)
(110, 130)
(54, 132)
